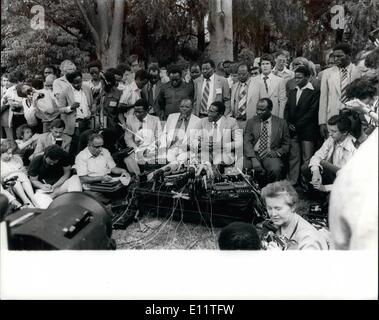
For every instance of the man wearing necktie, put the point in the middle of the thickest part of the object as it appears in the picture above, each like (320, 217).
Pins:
(268, 85)
(151, 90)
(266, 141)
(210, 87)
(240, 96)
(218, 137)
(334, 83)
(142, 133)
(174, 145)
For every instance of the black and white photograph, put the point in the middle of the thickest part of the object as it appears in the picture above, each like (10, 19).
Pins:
(173, 149)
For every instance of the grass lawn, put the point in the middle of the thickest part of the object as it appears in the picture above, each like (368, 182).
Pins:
(160, 233)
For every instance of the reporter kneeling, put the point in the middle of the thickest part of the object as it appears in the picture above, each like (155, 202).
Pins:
(281, 199)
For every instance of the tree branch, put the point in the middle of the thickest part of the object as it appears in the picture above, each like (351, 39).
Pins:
(57, 23)
(89, 24)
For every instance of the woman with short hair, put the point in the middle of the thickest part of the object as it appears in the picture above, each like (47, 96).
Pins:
(281, 200)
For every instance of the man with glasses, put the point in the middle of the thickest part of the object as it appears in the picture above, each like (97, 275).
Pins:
(142, 133)
(95, 163)
(241, 96)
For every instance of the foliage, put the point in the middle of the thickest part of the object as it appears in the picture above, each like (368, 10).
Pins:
(301, 26)
(171, 29)
(28, 50)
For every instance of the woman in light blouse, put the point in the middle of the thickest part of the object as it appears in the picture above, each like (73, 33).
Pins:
(281, 200)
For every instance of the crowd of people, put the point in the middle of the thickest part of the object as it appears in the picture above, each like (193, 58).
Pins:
(288, 124)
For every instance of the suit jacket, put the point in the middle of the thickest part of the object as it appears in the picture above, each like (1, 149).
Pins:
(231, 139)
(220, 83)
(151, 134)
(330, 92)
(276, 92)
(280, 138)
(304, 114)
(65, 100)
(169, 129)
(154, 101)
(250, 108)
(46, 139)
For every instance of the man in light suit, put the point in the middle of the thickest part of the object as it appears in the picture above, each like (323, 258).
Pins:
(142, 133)
(268, 85)
(77, 107)
(266, 141)
(175, 138)
(218, 137)
(208, 88)
(241, 96)
(334, 83)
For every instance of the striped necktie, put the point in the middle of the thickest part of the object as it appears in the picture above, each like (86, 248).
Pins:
(344, 84)
(242, 100)
(204, 100)
(265, 81)
(263, 139)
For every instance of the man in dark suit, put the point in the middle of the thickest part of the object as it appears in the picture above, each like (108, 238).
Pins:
(266, 141)
(210, 87)
(301, 113)
(150, 91)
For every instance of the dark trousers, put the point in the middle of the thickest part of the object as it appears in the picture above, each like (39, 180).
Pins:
(328, 177)
(300, 152)
(274, 169)
(83, 125)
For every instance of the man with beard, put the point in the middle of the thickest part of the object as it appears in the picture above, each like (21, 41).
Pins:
(173, 92)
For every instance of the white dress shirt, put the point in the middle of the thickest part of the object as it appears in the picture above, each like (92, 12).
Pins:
(300, 91)
(83, 111)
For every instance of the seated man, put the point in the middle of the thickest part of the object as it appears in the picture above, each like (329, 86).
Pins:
(95, 164)
(54, 137)
(51, 172)
(175, 138)
(266, 141)
(320, 172)
(218, 137)
(142, 133)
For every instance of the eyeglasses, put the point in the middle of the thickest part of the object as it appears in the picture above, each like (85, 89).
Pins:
(97, 147)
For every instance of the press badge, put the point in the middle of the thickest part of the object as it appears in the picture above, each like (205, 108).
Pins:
(218, 91)
(113, 104)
